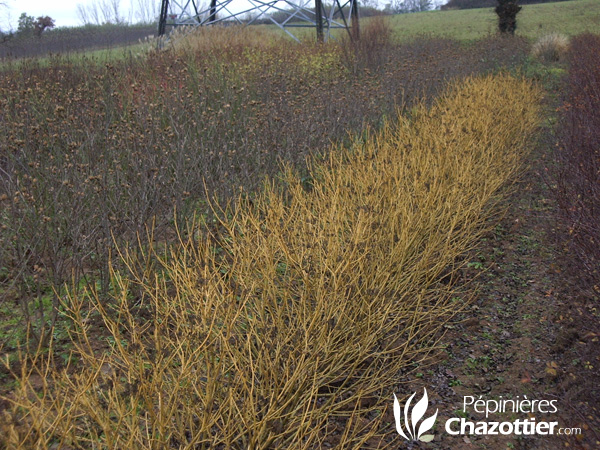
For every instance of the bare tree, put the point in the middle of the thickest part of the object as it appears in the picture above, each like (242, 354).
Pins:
(6, 35)
(408, 6)
(114, 6)
(109, 10)
(100, 11)
(369, 3)
(89, 14)
(83, 15)
(146, 11)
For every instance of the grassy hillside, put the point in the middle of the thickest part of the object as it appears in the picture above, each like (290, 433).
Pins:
(568, 17)
(533, 21)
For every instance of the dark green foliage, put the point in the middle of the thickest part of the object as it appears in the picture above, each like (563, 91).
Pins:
(26, 24)
(507, 11)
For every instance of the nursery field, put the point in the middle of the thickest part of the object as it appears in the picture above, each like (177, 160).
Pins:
(103, 40)
(240, 242)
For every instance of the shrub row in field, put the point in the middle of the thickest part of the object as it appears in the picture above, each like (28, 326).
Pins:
(290, 327)
(579, 153)
(94, 154)
(77, 39)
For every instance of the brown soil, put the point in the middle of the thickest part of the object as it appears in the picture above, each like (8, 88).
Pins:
(532, 330)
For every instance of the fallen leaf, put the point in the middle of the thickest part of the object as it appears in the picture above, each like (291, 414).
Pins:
(552, 369)
(589, 335)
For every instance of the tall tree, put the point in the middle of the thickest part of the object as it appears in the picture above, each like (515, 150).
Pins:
(42, 24)
(26, 24)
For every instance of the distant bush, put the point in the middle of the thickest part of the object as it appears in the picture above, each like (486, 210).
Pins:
(507, 11)
(551, 48)
(579, 154)
(373, 47)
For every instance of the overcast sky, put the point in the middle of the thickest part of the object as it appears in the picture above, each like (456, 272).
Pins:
(64, 12)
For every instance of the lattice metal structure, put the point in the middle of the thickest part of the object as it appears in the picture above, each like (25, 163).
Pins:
(286, 14)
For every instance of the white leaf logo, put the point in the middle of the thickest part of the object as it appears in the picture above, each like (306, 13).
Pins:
(417, 413)
(397, 415)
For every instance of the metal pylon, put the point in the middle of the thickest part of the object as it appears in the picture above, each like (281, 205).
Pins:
(290, 14)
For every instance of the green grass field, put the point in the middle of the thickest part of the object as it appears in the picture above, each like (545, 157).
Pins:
(571, 18)
(568, 17)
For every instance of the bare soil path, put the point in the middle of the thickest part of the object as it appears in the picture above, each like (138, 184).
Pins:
(532, 330)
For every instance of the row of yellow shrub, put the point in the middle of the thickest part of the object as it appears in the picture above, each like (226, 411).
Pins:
(293, 325)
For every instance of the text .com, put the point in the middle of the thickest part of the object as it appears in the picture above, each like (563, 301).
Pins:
(518, 427)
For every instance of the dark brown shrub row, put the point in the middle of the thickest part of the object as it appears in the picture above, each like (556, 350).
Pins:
(579, 153)
(64, 40)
